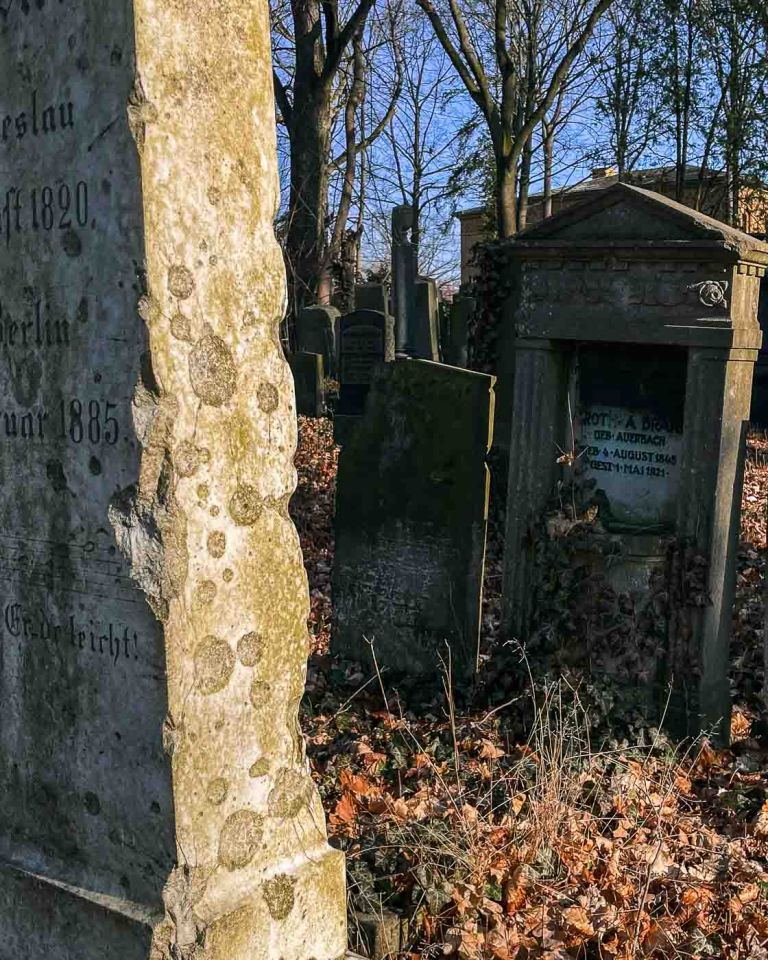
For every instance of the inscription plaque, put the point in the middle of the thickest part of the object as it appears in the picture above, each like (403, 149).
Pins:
(634, 459)
(630, 434)
(362, 347)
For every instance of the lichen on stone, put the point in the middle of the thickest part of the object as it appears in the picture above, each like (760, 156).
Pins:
(181, 327)
(279, 896)
(217, 544)
(268, 397)
(290, 793)
(181, 283)
(205, 593)
(217, 791)
(240, 838)
(250, 648)
(246, 505)
(259, 692)
(187, 459)
(214, 663)
(212, 370)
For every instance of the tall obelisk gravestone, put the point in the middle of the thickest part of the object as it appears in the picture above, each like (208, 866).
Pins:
(154, 797)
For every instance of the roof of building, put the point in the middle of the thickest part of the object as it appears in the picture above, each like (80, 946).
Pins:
(695, 225)
(601, 181)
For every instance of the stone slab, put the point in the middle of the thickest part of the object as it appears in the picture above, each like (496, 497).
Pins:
(366, 340)
(372, 296)
(154, 792)
(316, 332)
(425, 337)
(308, 380)
(456, 343)
(411, 513)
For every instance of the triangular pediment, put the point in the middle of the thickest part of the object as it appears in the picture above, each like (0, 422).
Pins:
(623, 213)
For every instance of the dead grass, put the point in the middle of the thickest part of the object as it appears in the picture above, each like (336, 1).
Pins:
(530, 829)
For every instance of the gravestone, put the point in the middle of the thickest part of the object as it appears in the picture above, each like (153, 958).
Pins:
(307, 370)
(316, 332)
(411, 515)
(426, 320)
(372, 296)
(155, 801)
(366, 339)
(633, 338)
(456, 342)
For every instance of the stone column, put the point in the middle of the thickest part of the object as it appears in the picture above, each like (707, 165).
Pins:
(403, 279)
(718, 390)
(539, 419)
(155, 801)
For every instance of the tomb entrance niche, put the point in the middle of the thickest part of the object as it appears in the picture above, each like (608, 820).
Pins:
(631, 338)
(628, 435)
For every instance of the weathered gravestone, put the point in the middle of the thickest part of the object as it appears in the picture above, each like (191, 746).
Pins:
(316, 332)
(426, 320)
(307, 370)
(411, 513)
(366, 339)
(154, 796)
(456, 342)
(372, 296)
(644, 313)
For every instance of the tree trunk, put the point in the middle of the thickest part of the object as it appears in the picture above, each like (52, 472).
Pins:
(309, 136)
(549, 158)
(506, 196)
(524, 187)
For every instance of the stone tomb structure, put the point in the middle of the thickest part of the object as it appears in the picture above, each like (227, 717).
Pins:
(638, 316)
(411, 515)
(366, 339)
(154, 797)
(308, 380)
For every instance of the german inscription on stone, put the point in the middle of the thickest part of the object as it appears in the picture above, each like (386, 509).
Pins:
(81, 660)
(633, 456)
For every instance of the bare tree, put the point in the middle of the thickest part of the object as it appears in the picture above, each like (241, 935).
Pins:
(509, 87)
(418, 152)
(735, 36)
(315, 40)
(625, 92)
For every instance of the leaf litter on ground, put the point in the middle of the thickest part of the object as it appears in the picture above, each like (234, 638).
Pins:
(525, 829)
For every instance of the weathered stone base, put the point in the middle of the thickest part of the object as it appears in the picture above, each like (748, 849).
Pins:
(286, 917)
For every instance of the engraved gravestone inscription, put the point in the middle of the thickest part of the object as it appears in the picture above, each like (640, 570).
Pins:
(84, 784)
(630, 434)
